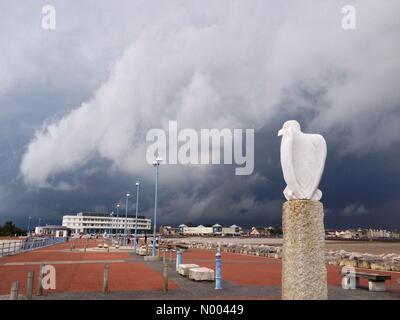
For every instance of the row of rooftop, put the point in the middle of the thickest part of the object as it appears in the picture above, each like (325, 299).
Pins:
(218, 229)
(234, 230)
(363, 233)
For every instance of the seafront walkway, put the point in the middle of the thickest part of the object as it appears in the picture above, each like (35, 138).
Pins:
(79, 275)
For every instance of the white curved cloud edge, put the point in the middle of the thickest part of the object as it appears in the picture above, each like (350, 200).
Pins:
(235, 65)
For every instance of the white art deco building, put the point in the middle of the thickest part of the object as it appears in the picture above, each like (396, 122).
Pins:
(100, 223)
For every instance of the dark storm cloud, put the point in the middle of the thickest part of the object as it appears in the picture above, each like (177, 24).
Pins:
(76, 104)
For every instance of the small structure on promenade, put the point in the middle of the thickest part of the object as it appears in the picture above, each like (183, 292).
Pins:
(215, 230)
(303, 261)
(55, 231)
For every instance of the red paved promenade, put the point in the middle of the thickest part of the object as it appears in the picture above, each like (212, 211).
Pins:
(261, 271)
(80, 271)
(83, 271)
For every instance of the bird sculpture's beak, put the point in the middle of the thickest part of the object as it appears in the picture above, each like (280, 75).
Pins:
(280, 133)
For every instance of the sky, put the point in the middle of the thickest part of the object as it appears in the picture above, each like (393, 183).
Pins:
(77, 102)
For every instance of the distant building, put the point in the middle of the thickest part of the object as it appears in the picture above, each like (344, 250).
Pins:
(233, 230)
(396, 234)
(257, 231)
(348, 234)
(168, 231)
(330, 234)
(215, 230)
(378, 234)
(54, 231)
(265, 232)
(181, 229)
(362, 234)
(195, 231)
(101, 223)
(270, 231)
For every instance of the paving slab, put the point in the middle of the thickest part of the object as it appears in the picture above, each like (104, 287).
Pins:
(79, 276)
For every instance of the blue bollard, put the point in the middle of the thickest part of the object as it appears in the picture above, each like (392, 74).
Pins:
(218, 275)
(178, 259)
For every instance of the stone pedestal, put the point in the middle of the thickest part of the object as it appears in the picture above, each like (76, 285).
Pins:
(303, 257)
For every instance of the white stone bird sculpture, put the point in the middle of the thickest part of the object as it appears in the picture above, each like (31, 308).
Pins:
(303, 160)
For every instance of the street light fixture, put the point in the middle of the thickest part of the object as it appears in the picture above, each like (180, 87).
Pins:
(126, 218)
(156, 164)
(136, 216)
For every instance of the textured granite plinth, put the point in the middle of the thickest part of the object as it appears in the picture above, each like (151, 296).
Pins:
(303, 257)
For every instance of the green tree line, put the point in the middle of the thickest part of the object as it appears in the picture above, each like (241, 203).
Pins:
(10, 229)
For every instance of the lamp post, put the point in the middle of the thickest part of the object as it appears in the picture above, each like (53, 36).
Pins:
(136, 216)
(29, 226)
(156, 164)
(118, 205)
(111, 229)
(40, 219)
(126, 218)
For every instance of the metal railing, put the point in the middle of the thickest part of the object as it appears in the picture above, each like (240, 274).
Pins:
(12, 247)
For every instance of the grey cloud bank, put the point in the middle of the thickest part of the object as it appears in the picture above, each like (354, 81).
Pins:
(228, 69)
(129, 67)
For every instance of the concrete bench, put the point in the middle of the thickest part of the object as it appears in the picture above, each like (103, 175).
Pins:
(183, 269)
(376, 282)
(201, 274)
